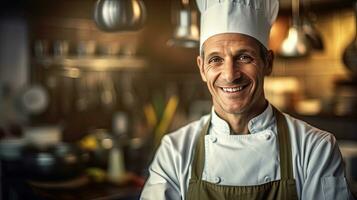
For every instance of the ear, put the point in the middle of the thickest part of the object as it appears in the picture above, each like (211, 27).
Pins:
(200, 65)
(269, 63)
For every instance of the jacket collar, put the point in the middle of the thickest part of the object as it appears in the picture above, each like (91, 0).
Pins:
(257, 124)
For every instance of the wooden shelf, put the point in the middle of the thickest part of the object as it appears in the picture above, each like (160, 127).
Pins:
(95, 63)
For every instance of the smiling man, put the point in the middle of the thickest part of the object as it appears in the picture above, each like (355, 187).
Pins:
(245, 148)
(234, 66)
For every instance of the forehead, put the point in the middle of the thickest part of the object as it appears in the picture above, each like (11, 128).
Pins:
(231, 41)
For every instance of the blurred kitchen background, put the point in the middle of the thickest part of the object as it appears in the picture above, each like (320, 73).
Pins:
(89, 87)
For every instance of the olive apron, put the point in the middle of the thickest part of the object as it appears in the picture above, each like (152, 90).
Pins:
(279, 189)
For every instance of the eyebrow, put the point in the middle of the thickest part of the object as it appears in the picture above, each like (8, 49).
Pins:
(235, 53)
(215, 53)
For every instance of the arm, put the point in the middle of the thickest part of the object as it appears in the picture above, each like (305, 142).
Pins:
(324, 172)
(162, 182)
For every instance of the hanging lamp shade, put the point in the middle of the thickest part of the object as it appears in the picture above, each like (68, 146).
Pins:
(186, 33)
(295, 44)
(119, 15)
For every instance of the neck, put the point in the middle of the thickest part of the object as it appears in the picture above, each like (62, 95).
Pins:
(239, 122)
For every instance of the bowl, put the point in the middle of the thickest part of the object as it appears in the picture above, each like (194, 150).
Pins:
(62, 161)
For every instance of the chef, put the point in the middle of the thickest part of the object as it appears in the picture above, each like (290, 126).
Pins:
(245, 148)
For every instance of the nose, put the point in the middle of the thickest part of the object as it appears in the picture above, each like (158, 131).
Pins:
(230, 72)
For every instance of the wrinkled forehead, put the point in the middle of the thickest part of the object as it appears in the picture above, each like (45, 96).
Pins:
(230, 41)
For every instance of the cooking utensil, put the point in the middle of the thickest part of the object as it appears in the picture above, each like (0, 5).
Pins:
(88, 95)
(295, 45)
(82, 102)
(107, 94)
(41, 48)
(350, 54)
(127, 92)
(119, 15)
(166, 119)
(58, 162)
(60, 48)
(67, 95)
(350, 57)
(86, 48)
(98, 142)
(34, 99)
(110, 48)
(186, 33)
(311, 33)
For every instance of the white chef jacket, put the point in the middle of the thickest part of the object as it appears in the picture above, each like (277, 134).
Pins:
(249, 159)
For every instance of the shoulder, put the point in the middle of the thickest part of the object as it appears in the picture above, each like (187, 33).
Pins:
(185, 136)
(173, 156)
(313, 148)
(319, 168)
(303, 132)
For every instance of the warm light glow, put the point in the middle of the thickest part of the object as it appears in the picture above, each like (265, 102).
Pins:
(291, 41)
(108, 12)
(185, 2)
(136, 10)
(278, 32)
(294, 44)
(107, 143)
(195, 33)
(274, 30)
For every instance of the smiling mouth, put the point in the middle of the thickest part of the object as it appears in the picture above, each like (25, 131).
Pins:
(233, 89)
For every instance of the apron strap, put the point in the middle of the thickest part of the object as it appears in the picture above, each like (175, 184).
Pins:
(199, 154)
(286, 168)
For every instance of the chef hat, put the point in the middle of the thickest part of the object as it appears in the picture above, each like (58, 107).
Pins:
(250, 17)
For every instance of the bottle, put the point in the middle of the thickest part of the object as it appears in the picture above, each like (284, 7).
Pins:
(116, 165)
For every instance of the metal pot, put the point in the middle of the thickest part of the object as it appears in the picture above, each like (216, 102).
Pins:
(59, 162)
(349, 56)
(119, 15)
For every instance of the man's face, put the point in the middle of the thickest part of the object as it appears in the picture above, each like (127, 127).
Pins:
(234, 70)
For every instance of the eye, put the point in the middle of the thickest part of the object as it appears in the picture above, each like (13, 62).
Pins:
(215, 60)
(244, 58)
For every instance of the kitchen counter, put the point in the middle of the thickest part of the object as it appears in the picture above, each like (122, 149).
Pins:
(92, 191)
(15, 186)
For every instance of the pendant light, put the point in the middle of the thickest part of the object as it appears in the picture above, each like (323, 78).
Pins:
(186, 33)
(119, 15)
(295, 45)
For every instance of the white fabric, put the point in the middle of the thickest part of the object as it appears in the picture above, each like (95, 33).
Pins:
(250, 17)
(249, 159)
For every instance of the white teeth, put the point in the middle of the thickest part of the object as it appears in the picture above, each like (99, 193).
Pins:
(236, 89)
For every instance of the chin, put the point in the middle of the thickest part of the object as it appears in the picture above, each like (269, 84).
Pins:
(238, 110)
(232, 109)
